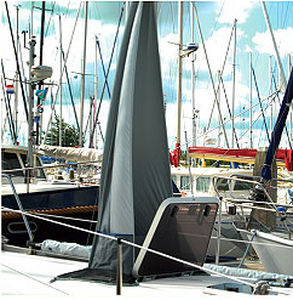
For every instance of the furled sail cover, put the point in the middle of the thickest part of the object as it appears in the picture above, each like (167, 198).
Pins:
(135, 174)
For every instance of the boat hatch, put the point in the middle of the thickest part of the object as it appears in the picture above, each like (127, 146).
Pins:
(181, 229)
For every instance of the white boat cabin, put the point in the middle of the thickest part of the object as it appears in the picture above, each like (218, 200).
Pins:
(202, 179)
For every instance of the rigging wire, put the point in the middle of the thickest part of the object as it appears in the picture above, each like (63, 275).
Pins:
(108, 71)
(260, 104)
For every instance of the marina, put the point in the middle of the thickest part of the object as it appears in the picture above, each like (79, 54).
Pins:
(122, 208)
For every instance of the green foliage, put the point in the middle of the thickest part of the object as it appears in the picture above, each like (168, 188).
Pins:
(70, 134)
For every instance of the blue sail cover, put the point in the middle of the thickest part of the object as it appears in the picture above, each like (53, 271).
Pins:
(266, 172)
(136, 174)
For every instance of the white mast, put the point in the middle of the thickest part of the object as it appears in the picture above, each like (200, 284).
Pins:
(270, 92)
(282, 79)
(83, 76)
(96, 90)
(194, 114)
(250, 101)
(233, 88)
(291, 117)
(179, 82)
(60, 82)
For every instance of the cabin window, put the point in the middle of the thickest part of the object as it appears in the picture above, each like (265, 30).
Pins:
(184, 183)
(10, 162)
(203, 184)
(222, 184)
(242, 186)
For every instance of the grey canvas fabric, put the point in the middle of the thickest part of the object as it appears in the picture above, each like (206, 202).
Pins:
(136, 173)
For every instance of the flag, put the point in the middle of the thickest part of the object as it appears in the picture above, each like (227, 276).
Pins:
(9, 89)
(42, 93)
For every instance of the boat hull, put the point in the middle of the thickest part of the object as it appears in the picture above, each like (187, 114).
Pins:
(72, 204)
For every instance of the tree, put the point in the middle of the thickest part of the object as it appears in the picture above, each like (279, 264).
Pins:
(70, 134)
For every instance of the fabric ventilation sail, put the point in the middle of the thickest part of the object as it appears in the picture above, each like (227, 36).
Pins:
(136, 173)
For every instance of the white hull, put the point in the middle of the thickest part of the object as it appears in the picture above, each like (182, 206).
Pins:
(275, 253)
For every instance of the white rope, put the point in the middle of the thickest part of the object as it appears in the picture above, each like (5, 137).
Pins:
(32, 278)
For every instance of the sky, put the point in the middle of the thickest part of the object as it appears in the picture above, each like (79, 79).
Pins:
(216, 20)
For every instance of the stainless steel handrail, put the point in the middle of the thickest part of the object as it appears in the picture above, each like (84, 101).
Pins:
(26, 223)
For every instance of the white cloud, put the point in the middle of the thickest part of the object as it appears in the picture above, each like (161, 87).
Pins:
(284, 40)
(234, 9)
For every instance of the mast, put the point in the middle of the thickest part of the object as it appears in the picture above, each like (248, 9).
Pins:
(291, 117)
(179, 82)
(282, 79)
(15, 114)
(17, 62)
(38, 129)
(219, 99)
(250, 101)
(83, 76)
(194, 114)
(270, 92)
(60, 82)
(96, 92)
(32, 44)
(233, 88)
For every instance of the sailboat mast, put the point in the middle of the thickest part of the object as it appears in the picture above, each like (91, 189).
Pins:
(179, 82)
(15, 114)
(233, 88)
(32, 44)
(291, 117)
(39, 129)
(282, 79)
(250, 100)
(83, 76)
(96, 95)
(60, 81)
(270, 92)
(192, 78)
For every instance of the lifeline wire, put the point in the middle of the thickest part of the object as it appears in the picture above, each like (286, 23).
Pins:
(140, 247)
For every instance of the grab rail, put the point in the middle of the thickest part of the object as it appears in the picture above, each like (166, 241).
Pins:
(26, 223)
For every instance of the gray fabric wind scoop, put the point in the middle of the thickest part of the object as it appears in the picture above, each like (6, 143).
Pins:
(135, 174)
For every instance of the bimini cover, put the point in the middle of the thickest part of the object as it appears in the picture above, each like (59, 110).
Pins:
(135, 173)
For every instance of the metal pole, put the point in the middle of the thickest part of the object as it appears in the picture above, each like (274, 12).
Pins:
(179, 67)
(119, 278)
(32, 44)
(270, 90)
(60, 82)
(17, 63)
(219, 232)
(188, 162)
(282, 79)
(233, 88)
(219, 99)
(83, 76)
(291, 117)
(250, 100)
(94, 145)
(16, 74)
(39, 124)
(26, 223)
(193, 78)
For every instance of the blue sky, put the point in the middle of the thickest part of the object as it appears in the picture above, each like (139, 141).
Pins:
(216, 21)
